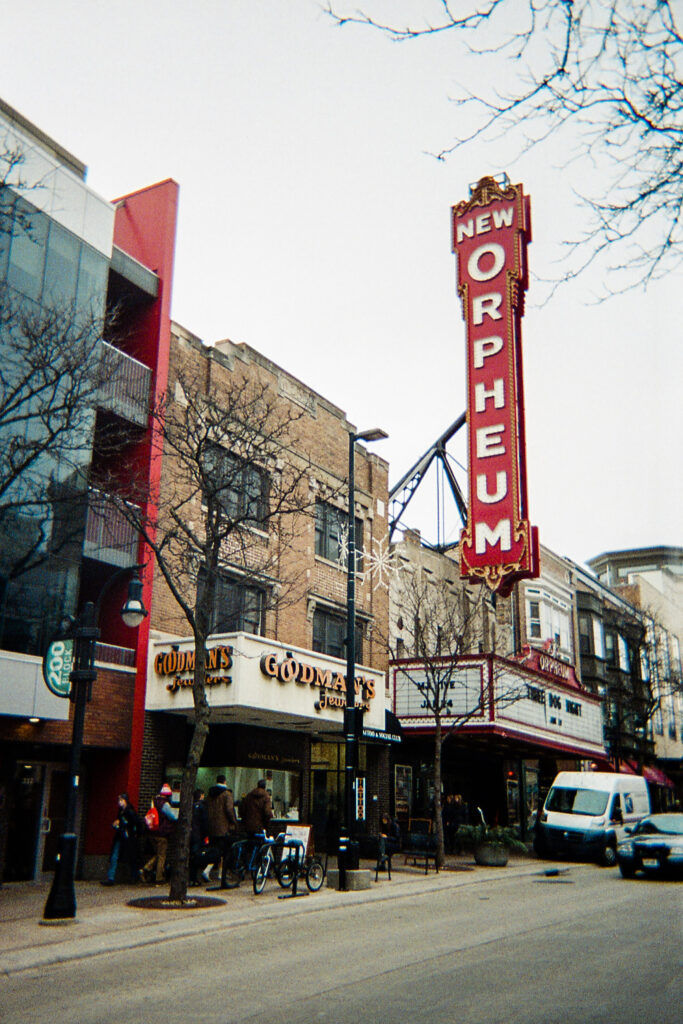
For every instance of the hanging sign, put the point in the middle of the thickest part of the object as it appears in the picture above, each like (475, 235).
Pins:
(491, 231)
(57, 667)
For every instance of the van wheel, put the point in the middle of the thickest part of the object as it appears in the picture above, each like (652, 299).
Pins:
(609, 857)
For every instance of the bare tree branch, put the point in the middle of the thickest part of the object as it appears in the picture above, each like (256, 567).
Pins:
(605, 77)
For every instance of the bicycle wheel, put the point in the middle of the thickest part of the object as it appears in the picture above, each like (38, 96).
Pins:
(261, 873)
(285, 871)
(315, 875)
(232, 878)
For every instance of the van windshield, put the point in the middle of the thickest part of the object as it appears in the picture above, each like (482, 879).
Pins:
(577, 801)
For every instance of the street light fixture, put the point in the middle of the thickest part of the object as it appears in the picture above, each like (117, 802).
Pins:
(348, 846)
(61, 902)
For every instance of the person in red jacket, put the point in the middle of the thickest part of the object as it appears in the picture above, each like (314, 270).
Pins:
(168, 817)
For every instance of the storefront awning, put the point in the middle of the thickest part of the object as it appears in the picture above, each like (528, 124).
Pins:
(658, 777)
(392, 732)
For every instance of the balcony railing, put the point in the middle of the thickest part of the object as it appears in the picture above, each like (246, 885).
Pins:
(126, 389)
(109, 654)
(109, 537)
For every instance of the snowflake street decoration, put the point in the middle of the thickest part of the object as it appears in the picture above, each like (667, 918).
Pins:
(380, 564)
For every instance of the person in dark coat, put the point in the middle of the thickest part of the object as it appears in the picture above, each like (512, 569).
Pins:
(461, 814)
(124, 846)
(389, 837)
(222, 823)
(450, 824)
(199, 833)
(256, 809)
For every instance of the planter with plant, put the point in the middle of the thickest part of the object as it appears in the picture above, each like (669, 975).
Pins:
(491, 844)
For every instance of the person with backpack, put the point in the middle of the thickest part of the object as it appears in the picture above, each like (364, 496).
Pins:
(155, 869)
(125, 843)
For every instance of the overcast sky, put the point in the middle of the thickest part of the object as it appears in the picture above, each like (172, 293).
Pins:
(315, 226)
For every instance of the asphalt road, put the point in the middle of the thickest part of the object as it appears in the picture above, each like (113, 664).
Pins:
(580, 948)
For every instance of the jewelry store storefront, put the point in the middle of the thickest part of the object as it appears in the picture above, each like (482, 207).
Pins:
(276, 713)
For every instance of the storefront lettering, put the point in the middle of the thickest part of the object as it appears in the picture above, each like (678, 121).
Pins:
(331, 684)
(572, 707)
(554, 667)
(183, 682)
(535, 693)
(175, 663)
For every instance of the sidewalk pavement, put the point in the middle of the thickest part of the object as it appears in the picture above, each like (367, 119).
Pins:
(105, 923)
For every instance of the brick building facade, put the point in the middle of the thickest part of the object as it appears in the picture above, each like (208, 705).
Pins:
(291, 603)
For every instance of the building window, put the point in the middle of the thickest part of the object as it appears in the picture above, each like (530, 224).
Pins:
(624, 654)
(644, 666)
(610, 647)
(330, 530)
(585, 634)
(238, 607)
(549, 618)
(534, 619)
(239, 488)
(329, 634)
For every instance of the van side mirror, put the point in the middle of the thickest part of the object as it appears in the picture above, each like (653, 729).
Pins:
(618, 816)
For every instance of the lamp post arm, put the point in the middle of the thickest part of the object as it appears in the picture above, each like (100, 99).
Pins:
(113, 579)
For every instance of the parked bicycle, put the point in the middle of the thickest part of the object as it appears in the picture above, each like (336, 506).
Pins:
(268, 862)
(242, 859)
(293, 864)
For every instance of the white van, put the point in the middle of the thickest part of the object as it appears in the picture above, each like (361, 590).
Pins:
(585, 814)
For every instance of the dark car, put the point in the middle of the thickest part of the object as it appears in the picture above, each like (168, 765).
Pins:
(654, 846)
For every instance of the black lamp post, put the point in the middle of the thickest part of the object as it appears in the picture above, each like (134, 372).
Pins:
(61, 902)
(348, 846)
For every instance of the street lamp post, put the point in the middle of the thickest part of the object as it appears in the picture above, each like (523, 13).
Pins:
(348, 845)
(61, 901)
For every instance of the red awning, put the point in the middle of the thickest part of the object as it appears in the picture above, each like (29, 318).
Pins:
(626, 768)
(658, 777)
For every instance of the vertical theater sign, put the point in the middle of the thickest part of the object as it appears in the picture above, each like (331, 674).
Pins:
(491, 231)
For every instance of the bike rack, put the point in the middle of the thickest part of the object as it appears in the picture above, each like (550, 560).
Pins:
(298, 846)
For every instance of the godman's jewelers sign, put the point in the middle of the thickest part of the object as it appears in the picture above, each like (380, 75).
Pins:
(331, 685)
(178, 667)
(490, 234)
(250, 678)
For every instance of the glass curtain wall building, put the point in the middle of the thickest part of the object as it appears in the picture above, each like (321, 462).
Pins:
(84, 337)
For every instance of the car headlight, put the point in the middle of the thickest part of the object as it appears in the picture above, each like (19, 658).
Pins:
(625, 848)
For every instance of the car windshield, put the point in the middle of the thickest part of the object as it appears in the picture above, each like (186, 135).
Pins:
(576, 801)
(666, 824)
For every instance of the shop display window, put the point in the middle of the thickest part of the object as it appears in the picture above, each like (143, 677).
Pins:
(284, 787)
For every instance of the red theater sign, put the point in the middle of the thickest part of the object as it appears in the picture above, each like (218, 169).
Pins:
(490, 234)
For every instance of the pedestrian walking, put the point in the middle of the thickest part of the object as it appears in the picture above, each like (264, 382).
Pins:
(155, 868)
(124, 845)
(220, 810)
(199, 834)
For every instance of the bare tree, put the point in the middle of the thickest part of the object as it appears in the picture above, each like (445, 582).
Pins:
(234, 494)
(440, 622)
(603, 75)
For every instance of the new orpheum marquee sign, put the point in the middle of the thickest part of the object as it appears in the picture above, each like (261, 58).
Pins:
(491, 231)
